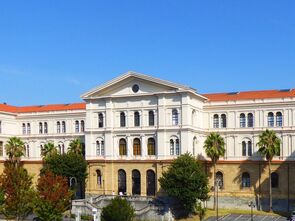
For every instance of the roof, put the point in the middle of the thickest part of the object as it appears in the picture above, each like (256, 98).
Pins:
(251, 95)
(42, 108)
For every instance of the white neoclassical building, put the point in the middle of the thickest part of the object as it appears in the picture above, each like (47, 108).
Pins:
(134, 126)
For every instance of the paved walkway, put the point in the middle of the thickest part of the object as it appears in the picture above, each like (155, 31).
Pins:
(238, 217)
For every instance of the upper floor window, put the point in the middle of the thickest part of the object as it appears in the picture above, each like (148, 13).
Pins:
(24, 128)
(246, 148)
(136, 147)
(100, 148)
(58, 127)
(270, 119)
(28, 128)
(100, 120)
(40, 128)
(242, 120)
(82, 126)
(1, 149)
(77, 126)
(174, 117)
(250, 120)
(174, 147)
(27, 150)
(151, 146)
(246, 182)
(61, 148)
(274, 180)
(122, 119)
(136, 119)
(122, 147)
(223, 121)
(279, 119)
(151, 118)
(63, 127)
(215, 121)
(45, 127)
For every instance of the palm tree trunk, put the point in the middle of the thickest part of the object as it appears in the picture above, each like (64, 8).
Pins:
(214, 185)
(270, 189)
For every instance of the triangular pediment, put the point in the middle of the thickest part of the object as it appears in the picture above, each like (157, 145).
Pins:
(132, 83)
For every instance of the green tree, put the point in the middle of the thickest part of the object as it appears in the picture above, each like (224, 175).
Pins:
(15, 149)
(67, 165)
(53, 197)
(269, 146)
(48, 150)
(186, 181)
(214, 148)
(118, 210)
(76, 147)
(16, 184)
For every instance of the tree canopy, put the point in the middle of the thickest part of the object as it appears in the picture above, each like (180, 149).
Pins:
(76, 147)
(118, 210)
(186, 181)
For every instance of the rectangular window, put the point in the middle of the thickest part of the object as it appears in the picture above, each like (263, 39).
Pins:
(1, 149)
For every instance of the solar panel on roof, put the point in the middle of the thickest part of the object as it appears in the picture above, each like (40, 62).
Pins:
(285, 90)
(232, 93)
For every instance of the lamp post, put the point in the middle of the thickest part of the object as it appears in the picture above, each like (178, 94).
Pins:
(217, 185)
(72, 184)
(251, 205)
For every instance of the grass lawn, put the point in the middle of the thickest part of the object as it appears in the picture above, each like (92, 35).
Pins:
(222, 212)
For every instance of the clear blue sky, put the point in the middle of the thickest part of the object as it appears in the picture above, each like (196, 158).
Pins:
(52, 51)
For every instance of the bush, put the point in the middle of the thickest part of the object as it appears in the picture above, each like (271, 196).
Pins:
(118, 210)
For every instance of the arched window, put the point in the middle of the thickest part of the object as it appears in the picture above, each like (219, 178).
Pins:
(250, 120)
(28, 128)
(246, 180)
(174, 117)
(136, 119)
(99, 148)
(61, 148)
(24, 128)
(135, 182)
(244, 148)
(100, 120)
(27, 150)
(121, 182)
(99, 177)
(122, 119)
(63, 127)
(270, 119)
(58, 127)
(1, 149)
(223, 121)
(274, 180)
(151, 146)
(82, 126)
(219, 179)
(177, 148)
(45, 127)
(40, 128)
(136, 147)
(151, 118)
(215, 121)
(242, 120)
(171, 147)
(249, 148)
(279, 119)
(150, 183)
(122, 147)
(77, 126)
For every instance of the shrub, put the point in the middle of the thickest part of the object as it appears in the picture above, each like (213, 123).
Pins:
(118, 210)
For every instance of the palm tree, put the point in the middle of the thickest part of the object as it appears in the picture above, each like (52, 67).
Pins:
(15, 149)
(48, 150)
(214, 148)
(76, 147)
(269, 146)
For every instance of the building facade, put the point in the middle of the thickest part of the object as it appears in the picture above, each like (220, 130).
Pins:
(134, 126)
